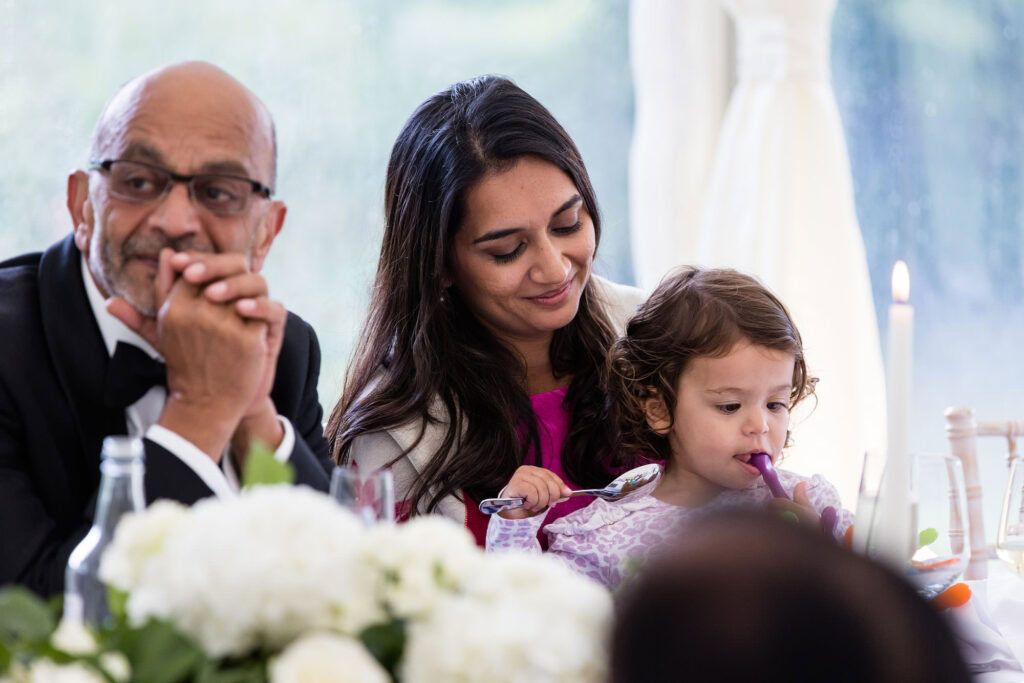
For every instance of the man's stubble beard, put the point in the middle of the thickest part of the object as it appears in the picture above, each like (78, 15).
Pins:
(110, 271)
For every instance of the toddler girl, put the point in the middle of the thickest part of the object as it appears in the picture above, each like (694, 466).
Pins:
(705, 377)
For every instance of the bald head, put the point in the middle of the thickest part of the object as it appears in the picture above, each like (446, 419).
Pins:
(184, 104)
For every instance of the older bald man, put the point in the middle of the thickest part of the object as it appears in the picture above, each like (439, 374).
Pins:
(172, 222)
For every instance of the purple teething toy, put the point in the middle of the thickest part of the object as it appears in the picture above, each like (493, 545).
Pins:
(829, 517)
(763, 463)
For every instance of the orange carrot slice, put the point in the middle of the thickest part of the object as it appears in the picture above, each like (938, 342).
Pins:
(955, 596)
(924, 565)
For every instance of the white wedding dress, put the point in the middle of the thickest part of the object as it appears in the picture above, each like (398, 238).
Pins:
(780, 206)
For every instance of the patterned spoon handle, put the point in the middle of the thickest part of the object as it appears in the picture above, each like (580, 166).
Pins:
(489, 506)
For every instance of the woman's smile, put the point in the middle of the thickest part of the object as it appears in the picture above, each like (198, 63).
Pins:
(554, 297)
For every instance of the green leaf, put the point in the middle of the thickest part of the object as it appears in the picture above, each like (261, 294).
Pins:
(24, 616)
(117, 600)
(5, 658)
(262, 468)
(56, 605)
(385, 642)
(47, 650)
(252, 671)
(927, 536)
(159, 654)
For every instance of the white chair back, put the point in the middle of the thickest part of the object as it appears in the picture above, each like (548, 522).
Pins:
(963, 431)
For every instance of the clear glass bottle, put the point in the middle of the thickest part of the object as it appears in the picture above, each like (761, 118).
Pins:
(121, 491)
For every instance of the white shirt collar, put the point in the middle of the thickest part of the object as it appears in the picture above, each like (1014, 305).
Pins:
(112, 329)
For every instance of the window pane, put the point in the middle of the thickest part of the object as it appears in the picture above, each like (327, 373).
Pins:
(340, 77)
(930, 94)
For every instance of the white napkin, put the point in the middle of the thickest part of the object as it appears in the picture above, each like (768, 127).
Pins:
(1006, 605)
(982, 644)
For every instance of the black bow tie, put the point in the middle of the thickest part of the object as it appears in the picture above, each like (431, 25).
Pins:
(130, 375)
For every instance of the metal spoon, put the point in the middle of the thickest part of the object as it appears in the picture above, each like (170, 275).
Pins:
(621, 486)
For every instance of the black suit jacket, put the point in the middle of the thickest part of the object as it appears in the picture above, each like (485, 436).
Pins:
(53, 420)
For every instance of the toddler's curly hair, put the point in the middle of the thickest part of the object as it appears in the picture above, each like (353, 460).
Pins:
(694, 312)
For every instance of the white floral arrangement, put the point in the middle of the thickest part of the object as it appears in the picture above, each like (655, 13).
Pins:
(283, 584)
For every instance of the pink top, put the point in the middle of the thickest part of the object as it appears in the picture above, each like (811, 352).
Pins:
(605, 540)
(552, 428)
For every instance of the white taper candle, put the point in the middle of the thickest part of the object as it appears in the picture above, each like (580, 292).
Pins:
(893, 513)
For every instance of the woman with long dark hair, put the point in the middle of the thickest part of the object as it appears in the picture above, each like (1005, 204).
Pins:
(485, 343)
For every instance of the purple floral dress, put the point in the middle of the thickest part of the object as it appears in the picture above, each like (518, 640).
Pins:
(605, 541)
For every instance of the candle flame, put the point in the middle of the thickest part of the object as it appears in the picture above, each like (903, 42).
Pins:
(900, 282)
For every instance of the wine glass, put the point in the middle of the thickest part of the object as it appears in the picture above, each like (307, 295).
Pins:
(370, 495)
(940, 548)
(1010, 537)
(864, 525)
(937, 550)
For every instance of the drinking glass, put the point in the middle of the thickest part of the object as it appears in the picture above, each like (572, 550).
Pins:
(370, 495)
(1010, 537)
(937, 549)
(864, 524)
(939, 517)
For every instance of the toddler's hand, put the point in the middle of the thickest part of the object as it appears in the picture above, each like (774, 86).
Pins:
(540, 487)
(799, 506)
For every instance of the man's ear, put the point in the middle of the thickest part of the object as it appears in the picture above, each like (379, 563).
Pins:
(268, 230)
(80, 209)
(658, 417)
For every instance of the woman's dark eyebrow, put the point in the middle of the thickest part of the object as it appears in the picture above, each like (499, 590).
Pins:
(505, 232)
(496, 235)
(572, 202)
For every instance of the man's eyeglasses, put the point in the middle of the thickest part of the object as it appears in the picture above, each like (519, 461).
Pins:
(141, 183)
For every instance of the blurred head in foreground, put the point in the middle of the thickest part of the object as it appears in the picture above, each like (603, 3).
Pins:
(755, 597)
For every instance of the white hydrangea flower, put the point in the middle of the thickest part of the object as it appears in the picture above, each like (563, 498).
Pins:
(326, 658)
(46, 671)
(72, 637)
(139, 537)
(521, 618)
(414, 565)
(117, 665)
(257, 571)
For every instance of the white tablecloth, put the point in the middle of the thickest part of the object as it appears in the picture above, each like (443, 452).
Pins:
(991, 625)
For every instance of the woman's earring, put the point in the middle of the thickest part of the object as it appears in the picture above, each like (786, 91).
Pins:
(445, 284)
